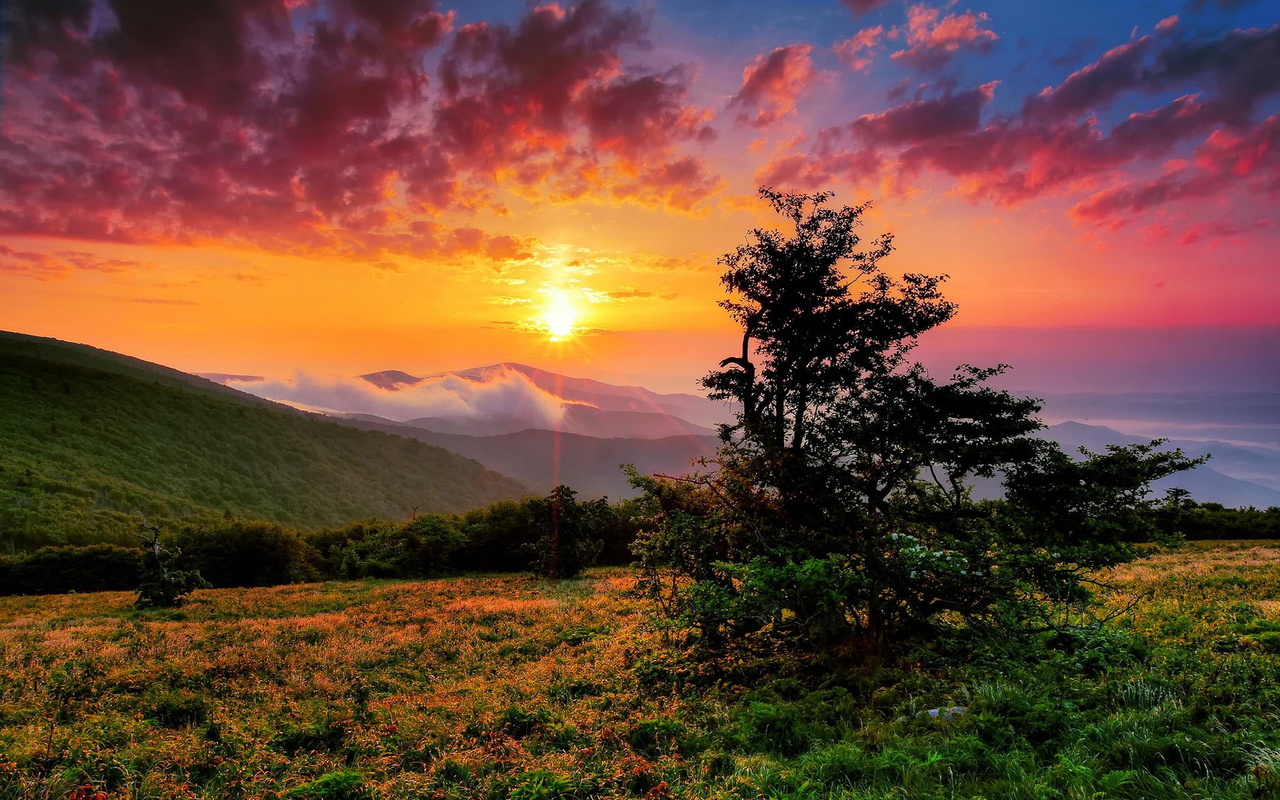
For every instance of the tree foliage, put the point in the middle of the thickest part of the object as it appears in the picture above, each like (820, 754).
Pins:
(569, 532)
(838, 509)
(163, 584)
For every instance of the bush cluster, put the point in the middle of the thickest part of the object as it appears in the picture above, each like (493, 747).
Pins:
(57, 570)
(507, 536)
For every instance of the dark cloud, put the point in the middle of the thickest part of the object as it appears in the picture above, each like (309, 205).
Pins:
(860, 7)
(919, 121)
(315, 128)
(1242, 66)
(510, 90)
(1228, 6)
(208, 52)
(1095, 86)
(636, 117)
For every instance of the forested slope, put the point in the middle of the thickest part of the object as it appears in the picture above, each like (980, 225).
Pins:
(90, 441)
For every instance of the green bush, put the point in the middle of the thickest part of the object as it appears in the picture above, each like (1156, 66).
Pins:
(56, 570)
(373, 549)
(247, 554)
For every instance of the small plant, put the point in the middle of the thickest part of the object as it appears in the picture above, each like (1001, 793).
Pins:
(162, 585)
(342, 785)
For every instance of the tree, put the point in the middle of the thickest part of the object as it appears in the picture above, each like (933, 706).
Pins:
(838, 509)
(568, 532)
(163, 586)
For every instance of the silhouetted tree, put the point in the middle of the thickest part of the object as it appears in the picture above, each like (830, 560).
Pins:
(839, 508)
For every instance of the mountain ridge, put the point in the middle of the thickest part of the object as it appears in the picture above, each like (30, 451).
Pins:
(90, 441)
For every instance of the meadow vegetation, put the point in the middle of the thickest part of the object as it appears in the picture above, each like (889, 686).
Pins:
(517, 687)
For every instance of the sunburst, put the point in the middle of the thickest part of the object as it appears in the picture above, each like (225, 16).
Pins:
(559, 316)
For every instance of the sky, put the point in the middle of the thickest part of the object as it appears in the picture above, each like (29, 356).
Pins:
(332, 187)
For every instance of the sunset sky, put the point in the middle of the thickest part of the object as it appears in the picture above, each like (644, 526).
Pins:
(342, 186)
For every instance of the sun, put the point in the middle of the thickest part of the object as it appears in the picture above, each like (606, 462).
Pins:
(559, 317)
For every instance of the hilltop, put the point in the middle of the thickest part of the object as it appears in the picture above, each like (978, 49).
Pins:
(91, 440)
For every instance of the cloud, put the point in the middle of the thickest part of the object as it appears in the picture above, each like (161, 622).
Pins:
(856, 51)
(60, 264)
(772, 83)
(933, 39)
(922, 120)
(1240, 65)
(1221, 229)
(638, 117)
(1227, 6)
(676, 185)
(320, 128)
(504, 393)
(1250, 161)
(860, 7)
(1060, 143)
(160, 301)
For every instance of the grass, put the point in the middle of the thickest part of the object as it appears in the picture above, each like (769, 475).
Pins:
(509, 687)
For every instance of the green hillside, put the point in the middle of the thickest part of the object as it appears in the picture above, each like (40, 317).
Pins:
(91, 440)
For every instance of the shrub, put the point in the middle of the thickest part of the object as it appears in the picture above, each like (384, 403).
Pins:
(247, 554)
(55, 570)
(374, 549)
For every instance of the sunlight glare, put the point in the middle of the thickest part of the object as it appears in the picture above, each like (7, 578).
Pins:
(559, 317)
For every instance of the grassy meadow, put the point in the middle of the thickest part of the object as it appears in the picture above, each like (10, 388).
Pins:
(512, 687)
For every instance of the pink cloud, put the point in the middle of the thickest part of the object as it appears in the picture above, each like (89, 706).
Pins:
(772, 83)
(679, 185)
(1059, 144)
(1225, 160)
(856, 51)
(933, 39)
(322, 133)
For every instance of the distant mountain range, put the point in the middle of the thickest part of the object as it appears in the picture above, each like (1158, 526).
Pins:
(1222, 480)
(540, 459)
(591, 407)
(606, 425)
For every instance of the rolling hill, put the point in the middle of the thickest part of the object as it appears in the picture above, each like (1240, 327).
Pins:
(91, 440)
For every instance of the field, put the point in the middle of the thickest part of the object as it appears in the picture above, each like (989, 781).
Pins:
(510, 687)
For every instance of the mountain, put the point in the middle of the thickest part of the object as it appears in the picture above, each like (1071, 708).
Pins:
(1249, 419)
(391, 379)
(1206, 483)
(610, 397)
(591, 407)
(503, 432)
(90, 440)
(580, 419)
(540, 459)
